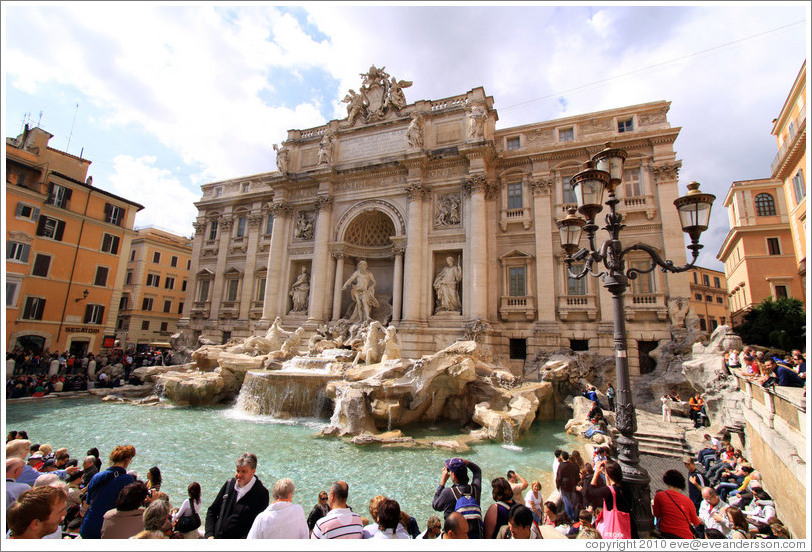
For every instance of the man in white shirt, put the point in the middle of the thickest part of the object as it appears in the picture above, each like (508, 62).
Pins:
(340, 522)
(14, 469)
(712, 511)
(240, 500)
(282, 519)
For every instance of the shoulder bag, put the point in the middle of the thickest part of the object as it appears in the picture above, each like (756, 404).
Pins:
(698, 531)
(614, 524)
(188, 522)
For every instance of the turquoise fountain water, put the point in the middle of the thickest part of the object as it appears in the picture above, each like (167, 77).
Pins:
(201, 444)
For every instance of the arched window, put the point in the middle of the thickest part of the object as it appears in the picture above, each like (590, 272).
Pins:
(765, 205)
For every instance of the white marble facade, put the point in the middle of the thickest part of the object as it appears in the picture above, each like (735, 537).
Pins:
(442, 206)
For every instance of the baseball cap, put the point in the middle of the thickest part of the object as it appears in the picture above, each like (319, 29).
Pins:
(457, 466)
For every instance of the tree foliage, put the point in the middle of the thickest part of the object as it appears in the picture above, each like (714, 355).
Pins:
(780, 324)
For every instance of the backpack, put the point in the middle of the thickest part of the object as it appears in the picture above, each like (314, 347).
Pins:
(469, 507)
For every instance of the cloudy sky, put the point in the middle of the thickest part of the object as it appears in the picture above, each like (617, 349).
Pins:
(171, 97)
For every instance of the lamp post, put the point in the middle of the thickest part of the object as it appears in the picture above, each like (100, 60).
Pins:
(604, 172)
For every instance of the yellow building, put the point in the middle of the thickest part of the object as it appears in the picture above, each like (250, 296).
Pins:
(789, 166)
(757, 252)
(64, 238)
(155, 285)
(709, 298)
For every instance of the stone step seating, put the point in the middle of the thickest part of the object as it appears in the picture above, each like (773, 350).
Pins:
(672, 446)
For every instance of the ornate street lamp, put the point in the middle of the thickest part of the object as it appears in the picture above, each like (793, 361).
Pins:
(604, 173)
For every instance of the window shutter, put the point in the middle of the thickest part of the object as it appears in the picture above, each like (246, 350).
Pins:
(41, 226)
(88, 313)
(27, 308)
(35, 214)
(122, 216)
(60, 229)
(39, 309)
(19, 210)
(24, 252)
(114, 247)
(68, 194)
(101, 314)
(107, 209)
(50, 191)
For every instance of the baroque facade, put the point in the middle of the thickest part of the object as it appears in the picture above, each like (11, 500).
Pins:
(427, 216)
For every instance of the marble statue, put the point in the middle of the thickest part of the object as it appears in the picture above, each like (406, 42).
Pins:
(289, 349)
(281, 157)
(363, 292)
(276, 335)
(414, 134)
(445, 285)
(253, 346)
(395, 97)
(448, 210)
(380, 94)
(300, 291)
(476, 121)
(303, 229)
(326, 149)
(370, 352)
(355, 105)
(391, 345)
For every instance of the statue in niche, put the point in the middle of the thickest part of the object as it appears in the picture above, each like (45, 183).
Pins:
(448, 210)
(300, 291)
(414, 134)
(363, 292)
(304, 226)
(326, 149)
(355, 105)
(445, 285)
(476, 121)
(281, 157)
(391, 345)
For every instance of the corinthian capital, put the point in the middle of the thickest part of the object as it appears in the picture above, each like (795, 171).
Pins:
(199, 226)
(281, 208)
(416, 190)
(666, 171)
(475, 183)
(226, 222)
(541, 186)
(324, 202)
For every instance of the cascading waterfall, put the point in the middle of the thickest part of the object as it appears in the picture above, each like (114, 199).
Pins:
(508, 436)
(288, 395)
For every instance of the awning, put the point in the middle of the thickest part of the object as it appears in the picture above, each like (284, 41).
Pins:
(161, 344)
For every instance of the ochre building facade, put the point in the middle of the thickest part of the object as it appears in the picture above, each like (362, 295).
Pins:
(454, 220)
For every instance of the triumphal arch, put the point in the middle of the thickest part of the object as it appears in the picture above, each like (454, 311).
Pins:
(426, 216)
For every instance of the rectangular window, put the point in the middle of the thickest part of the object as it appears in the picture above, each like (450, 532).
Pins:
(799, 187)
(17, 251)
(568, 193)
(698, 296)
(27, 211)
(716, 282)
(203, 291)
(703, 325)
(132, 255)
(183, 285)
(128, 279)
(513, 143)
(213, 230)
(644, 283)
(781, 292)
(232, 285)
(261, 288)
(34, 307)
(110, 244)
(713, 324)
(173, 262)
(514, 195)
(42, 263)
(218, 191)
(113, 214)
(720, 300)
(168, 305)
(696, 278)
(269, 225)
(242, 222)
(773, 246)
(631, 180)
(146, 304)
(51, 228)
(94, 314)
(153, 280)
(180, 307)
(708, 299)
(169, 283)
(124, 302)
(188, 264)
(576, 287)
(516, 281)
(58, 195)
(11, 293)
(625, 125)
(706, 280)
(566, 134)
(145, 325)
(164, 326)
(101, 275)
(156, 257)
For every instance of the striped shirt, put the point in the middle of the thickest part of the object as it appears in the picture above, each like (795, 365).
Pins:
(340, 523)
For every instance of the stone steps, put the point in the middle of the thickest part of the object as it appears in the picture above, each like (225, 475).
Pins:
(668, 445)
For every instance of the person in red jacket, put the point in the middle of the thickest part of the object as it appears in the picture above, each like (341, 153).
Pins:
(675, 511)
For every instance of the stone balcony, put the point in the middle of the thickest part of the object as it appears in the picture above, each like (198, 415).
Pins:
(511, 307)
(586, 305)
(521, 216)
(200, 309)
(645, 303)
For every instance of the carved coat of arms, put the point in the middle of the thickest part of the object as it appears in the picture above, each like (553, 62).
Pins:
(380, 94)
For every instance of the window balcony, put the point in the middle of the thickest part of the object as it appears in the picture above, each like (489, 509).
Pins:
(200, 309)
(520, 216)
(513, 307)
(579, 305)
(647, 303)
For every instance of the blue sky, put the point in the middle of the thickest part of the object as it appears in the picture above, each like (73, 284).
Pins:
(171, 97)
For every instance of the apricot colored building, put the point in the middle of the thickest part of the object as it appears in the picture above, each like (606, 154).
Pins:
(709, 298)
(154, 288)
(789, 166)
(64, 240)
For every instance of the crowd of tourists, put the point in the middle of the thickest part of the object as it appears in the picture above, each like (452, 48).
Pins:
(769, 370)
(51, 494)
(39, 374)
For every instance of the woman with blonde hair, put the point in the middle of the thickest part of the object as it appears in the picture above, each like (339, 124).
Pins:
(103, 490)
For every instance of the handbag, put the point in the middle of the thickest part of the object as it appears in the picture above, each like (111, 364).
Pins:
(188, 522)
(614, 524)
(698, 531)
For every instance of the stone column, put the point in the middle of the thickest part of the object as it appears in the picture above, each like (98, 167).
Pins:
(319, 267)
(276, 254)
(254, 223)
(197, 245)
(414, 257)
(224, 227)
(397, 284)
(338, 255)
(545, 256)
(664, 177)
(476, 247)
